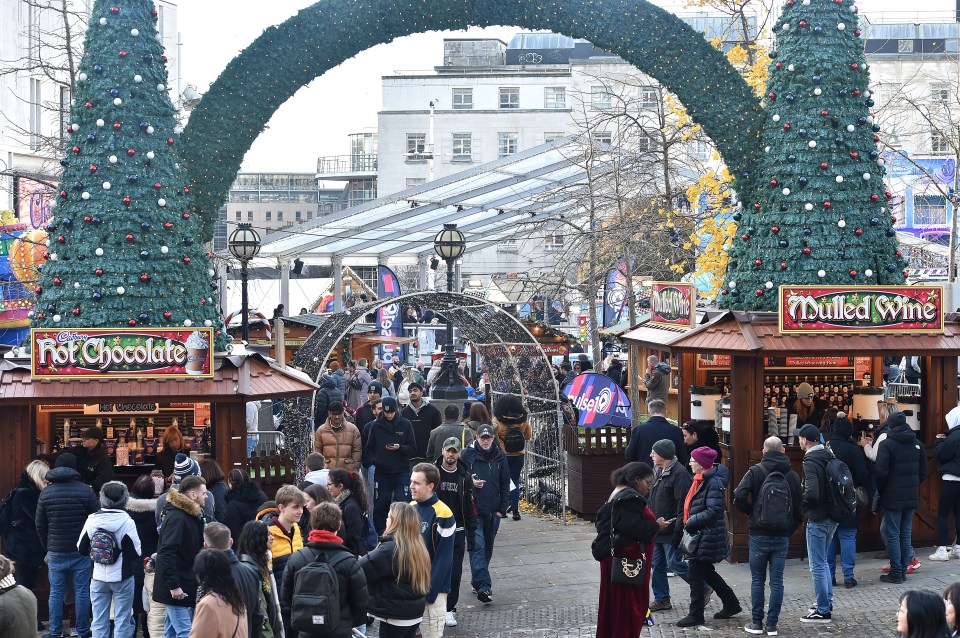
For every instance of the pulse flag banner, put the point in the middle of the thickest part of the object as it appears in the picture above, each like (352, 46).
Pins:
(599, 401)
(390, 316)
(614, 295)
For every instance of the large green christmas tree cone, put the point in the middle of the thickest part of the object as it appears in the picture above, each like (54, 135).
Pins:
(124, 250)
(818, 213)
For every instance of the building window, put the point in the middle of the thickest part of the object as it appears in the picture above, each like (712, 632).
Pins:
(279, 215)
(554, 97)
(239, 216)
(890, 92)
(509, 97)
(35, 114)
(939, 143)
(415, 181)
(929, 210)
(507, 143)
(554, 242)
(507, 246)
(904, 46)
(603, 139)
(600, 98)
(462, 99)
(309, 214)
(647, 142)
(249, 215)
(700, 151)
(549, 137)
(416, 147)
(462, 147)
(940, 93)
(649, 97)
(298, 216)
(269, 216)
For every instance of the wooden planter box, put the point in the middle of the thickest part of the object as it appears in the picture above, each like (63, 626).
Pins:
(591, 458)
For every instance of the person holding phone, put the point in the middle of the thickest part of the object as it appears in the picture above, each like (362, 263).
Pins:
(670, 486)
(769, 530)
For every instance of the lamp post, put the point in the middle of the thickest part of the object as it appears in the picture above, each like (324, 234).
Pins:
(449, 245)
(244, 244)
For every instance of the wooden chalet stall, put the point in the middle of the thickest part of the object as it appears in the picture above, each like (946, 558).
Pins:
(750, 355)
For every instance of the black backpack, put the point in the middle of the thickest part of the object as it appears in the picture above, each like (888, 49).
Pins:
(513, 441)
(316, 596)
(774, 503)
(840, 496)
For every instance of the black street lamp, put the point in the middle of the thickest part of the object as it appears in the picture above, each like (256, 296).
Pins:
(449, 245)
(244, 244)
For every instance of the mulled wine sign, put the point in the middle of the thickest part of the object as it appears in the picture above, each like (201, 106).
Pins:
(121, 353)
(672, 304)
(838, 309)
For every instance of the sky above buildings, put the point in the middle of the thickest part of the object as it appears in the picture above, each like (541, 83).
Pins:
(346, 99)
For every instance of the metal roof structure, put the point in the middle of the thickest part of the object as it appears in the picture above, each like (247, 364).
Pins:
(487, 202)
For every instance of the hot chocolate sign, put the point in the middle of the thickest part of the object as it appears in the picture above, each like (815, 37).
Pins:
(121, 353)
(833, 309)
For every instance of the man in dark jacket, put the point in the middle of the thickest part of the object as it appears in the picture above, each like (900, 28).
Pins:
(181, 539)
(568, 374)
(947, 452)
(491, 479)
(323, 544)
(769, 542)
(846, 449)
(327, 394)
(62, 511)
(456, 491)
(93, 464)
(820, 527)
(615, 371)
(667, 494)
(424, 417)
(901, 467)
(217, 536)
(390, 446)
(644, 435)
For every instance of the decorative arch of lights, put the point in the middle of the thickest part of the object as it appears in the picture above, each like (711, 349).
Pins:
(513, 360)
(288, 56)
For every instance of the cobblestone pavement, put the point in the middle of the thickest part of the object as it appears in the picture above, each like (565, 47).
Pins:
(546, 584)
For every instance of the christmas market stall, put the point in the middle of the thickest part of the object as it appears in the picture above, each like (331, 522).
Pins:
(740, 373)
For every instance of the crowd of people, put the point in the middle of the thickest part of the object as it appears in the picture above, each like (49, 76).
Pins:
(208, 554)
(662, 518)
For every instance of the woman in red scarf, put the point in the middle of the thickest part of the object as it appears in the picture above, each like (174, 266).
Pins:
(626, 525)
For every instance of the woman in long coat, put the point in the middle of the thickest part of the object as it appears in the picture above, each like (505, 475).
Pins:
(623, 608)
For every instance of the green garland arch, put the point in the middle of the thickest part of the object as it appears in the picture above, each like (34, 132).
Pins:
(288, 56)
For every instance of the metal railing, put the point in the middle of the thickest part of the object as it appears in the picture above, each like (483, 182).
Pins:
(339, 164)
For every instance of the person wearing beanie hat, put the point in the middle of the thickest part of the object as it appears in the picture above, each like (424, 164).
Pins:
(339, 441)
(112, 583)
(62, 512)
(183, 467)
(807, 408)
(667, 494)
(769, 528)
(704, 516)
(326, 395)
(820, 527)
(424, 418)
(947, 452)
(93, 464)
(901, 467)
(390, 446)
(845, 448)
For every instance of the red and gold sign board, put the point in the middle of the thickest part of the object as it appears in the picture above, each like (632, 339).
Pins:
(121, 353)
(861, 309)
(672, 304)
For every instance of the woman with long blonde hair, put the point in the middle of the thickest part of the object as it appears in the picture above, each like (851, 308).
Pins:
(398, 574)
(21, 541)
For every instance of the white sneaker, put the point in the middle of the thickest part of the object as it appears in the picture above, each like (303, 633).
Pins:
(955, 551)
(451, 619)
(941, 554)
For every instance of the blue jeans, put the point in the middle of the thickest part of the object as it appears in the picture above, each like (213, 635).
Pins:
(390, 488)
(515, 466)
(177, 621)
(898, 532)
(483, 552)
(77, 567)
(368, 477)
(767, 551)
(844, 543)
(459, 549)
(819, 539)
(121, 595)
(666, 558)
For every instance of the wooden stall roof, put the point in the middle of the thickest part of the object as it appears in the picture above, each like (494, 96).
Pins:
(236, 379)
(746, 333)
(647, 334)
